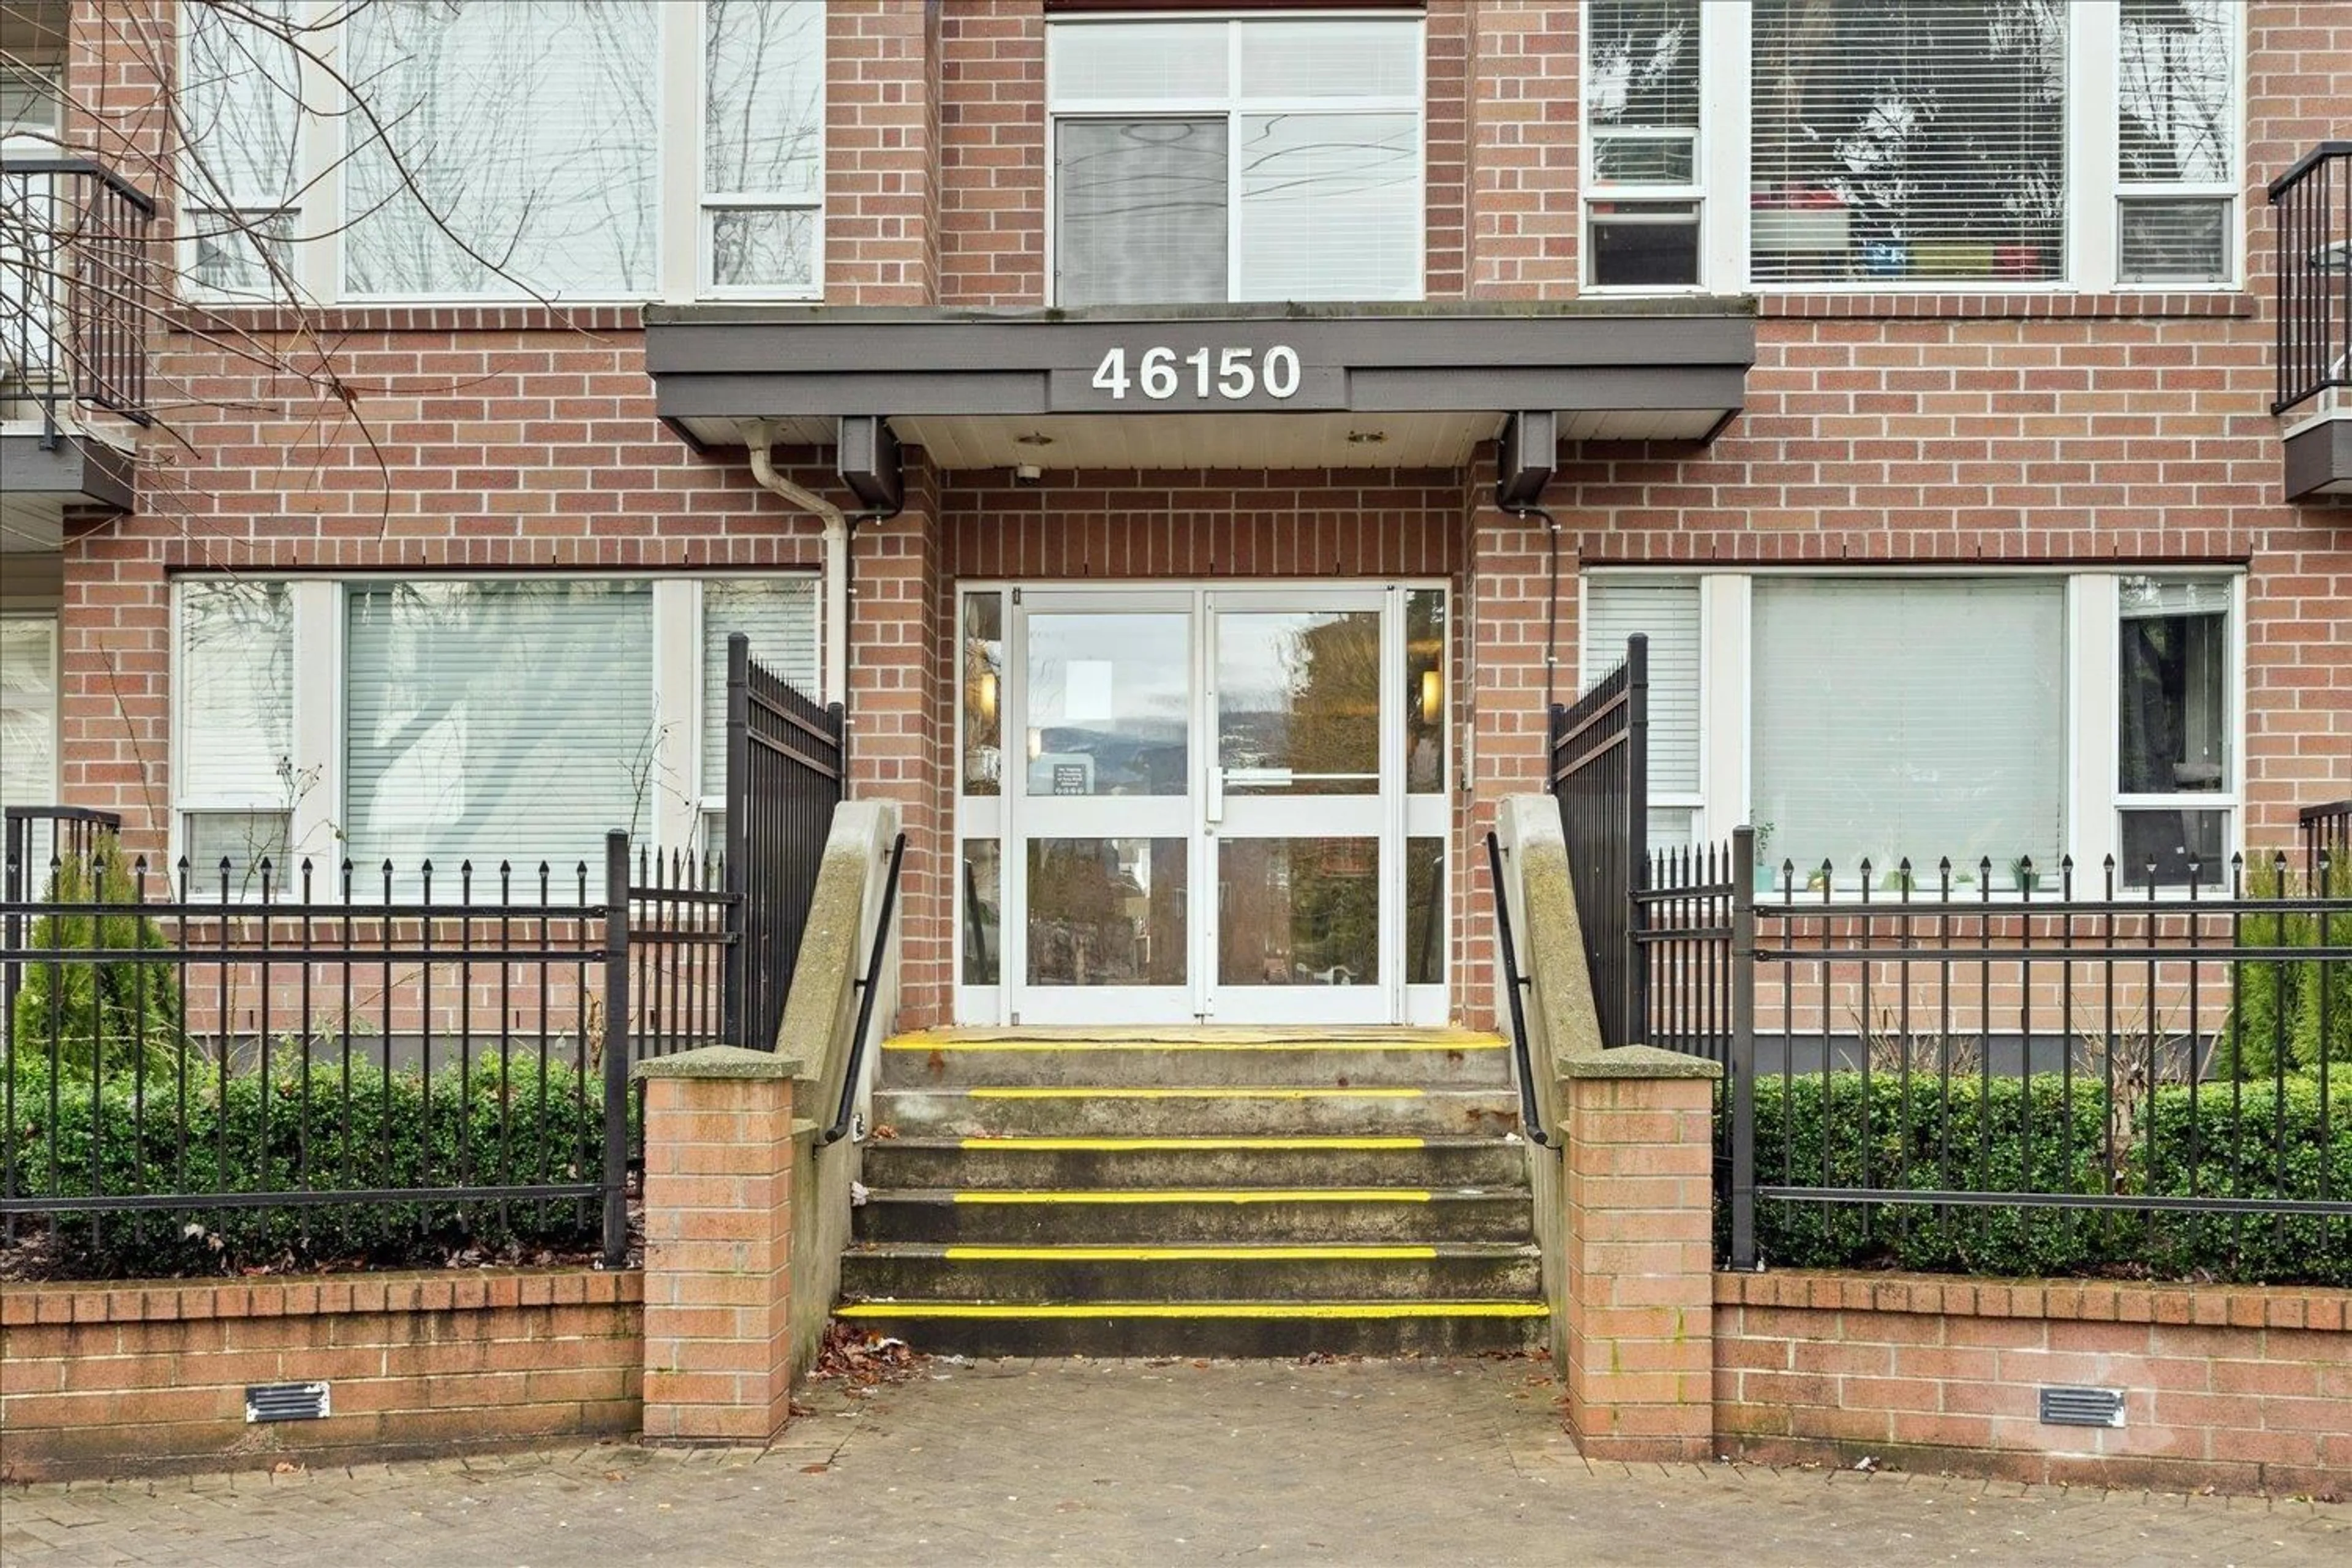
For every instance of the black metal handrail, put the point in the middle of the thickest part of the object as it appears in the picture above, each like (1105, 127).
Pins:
(75, 285)
(1531, 1116)
(2313, 203)
(868, 985)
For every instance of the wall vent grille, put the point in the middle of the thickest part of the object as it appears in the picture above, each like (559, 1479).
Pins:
(287, 1402)
(2082, 1407)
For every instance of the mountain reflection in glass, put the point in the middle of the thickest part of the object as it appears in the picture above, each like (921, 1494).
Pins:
(1300, 690)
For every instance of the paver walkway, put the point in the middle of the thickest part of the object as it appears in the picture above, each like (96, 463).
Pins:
(1100, 1462)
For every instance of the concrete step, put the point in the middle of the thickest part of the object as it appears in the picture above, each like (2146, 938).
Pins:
(1398, 1057)
(1226, 1328)
(1162, 1217)
(1272, 1161)
(1365, 1272)
(1193, 1111)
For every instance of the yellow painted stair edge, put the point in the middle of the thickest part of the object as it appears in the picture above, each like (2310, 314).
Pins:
(1317, 1311)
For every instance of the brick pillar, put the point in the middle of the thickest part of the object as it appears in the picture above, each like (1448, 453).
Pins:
(718, 1160)
(1640, 1297)
(902, 724)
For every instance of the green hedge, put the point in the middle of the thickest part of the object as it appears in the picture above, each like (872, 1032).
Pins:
(389, 1130)
(2035, 1135)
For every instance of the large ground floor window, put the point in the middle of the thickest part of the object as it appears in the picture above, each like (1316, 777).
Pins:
(2002, 721)
(493, 721)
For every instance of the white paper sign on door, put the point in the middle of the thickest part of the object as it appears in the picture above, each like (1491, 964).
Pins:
(1086, 692)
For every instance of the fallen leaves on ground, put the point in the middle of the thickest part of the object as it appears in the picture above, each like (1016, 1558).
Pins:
(863, 1359)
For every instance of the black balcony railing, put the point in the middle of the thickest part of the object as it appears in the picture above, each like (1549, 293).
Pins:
(2314, 204)
(75, 287)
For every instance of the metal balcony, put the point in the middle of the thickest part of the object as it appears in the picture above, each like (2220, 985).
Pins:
(2313, 201)
(76, 290)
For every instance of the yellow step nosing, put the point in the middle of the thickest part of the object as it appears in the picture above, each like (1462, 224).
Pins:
(1236, 1091)
(1001, 1195)
(1082, 1252)
(1307, 1310)
(917, 1043)
(1049, 1145)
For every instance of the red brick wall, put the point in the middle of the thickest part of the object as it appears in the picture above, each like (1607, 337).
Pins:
(150, 1377)
(993, 153)
(2235, 1386)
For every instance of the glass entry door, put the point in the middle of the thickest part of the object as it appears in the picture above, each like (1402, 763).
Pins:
(1297, 808)
(1215, 804)
(1106, 851)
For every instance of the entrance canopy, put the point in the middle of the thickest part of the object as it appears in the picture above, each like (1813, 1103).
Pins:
(1228, 386)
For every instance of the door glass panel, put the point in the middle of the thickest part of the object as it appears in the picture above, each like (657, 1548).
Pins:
(1299, 701)
(983, 692)
(980, 900)
(1425, 911)
(1107, 912)
(1298, 911)
(1109, 700)
(1424, 690)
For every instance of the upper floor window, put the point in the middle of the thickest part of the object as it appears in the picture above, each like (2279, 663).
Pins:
(575, 149)
(1877, 144)
(1207, 160)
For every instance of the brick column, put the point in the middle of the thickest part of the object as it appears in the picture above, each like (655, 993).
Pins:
(1640, 1297)
(719, 1158)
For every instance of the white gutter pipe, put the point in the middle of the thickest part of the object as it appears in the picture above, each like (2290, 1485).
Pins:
(759, 435)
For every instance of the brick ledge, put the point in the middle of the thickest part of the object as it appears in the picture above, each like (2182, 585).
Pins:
(435, 1291)
(2088, 1301)
(523, 317)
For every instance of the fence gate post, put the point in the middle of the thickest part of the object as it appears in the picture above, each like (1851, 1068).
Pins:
(616, 1047)
(1636, 1030)
(1743, 1048)
(736, 856)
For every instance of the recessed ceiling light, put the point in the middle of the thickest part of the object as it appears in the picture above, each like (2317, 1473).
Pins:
(1034, 438)
(1366, 437)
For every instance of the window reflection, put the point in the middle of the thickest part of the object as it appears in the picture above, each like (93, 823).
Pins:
(1107, 912)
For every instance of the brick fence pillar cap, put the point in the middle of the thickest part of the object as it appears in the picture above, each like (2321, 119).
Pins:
(1633, 1061)
(719, 1061)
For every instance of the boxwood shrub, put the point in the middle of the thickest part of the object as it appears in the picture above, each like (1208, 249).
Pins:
(2043, 1134)
(385, 1129)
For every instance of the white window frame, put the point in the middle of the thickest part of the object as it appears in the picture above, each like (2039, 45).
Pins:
(319, 609)
(2094, 801)
(1231, 106)
(2094, 190)
(322, 147)
(690, 81)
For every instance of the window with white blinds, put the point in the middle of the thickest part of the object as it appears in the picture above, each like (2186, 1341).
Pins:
(234, 745)
(513, 148)
(1250, 159)
(1921, 717)
(2176, 141)
(1897, 140)
(779, 617)
(1642, 107)
(1665, 610)
(497, 720)
(28, 710)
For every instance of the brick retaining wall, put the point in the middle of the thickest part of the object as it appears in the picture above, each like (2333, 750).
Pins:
(151, 1376)
(2238, 1387)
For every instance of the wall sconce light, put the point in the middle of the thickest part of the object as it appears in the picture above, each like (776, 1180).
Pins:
(1036, 742)
(985, 695)
(1433, 696)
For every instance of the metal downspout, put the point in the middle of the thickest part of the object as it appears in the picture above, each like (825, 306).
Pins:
(759, 435)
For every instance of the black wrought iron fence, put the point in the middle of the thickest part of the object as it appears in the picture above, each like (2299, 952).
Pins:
(74, 286)
(786, 763)
(349, 1062)
(2312, 201)
(41, 836)
(1599, 772)
(2038, 1073)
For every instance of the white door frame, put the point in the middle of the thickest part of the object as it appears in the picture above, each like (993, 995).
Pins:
(1010, 817)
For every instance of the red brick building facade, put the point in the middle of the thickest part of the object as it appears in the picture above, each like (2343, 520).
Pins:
(1951, 423)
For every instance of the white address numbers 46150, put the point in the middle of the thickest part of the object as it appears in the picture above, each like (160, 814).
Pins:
(1160, 376)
